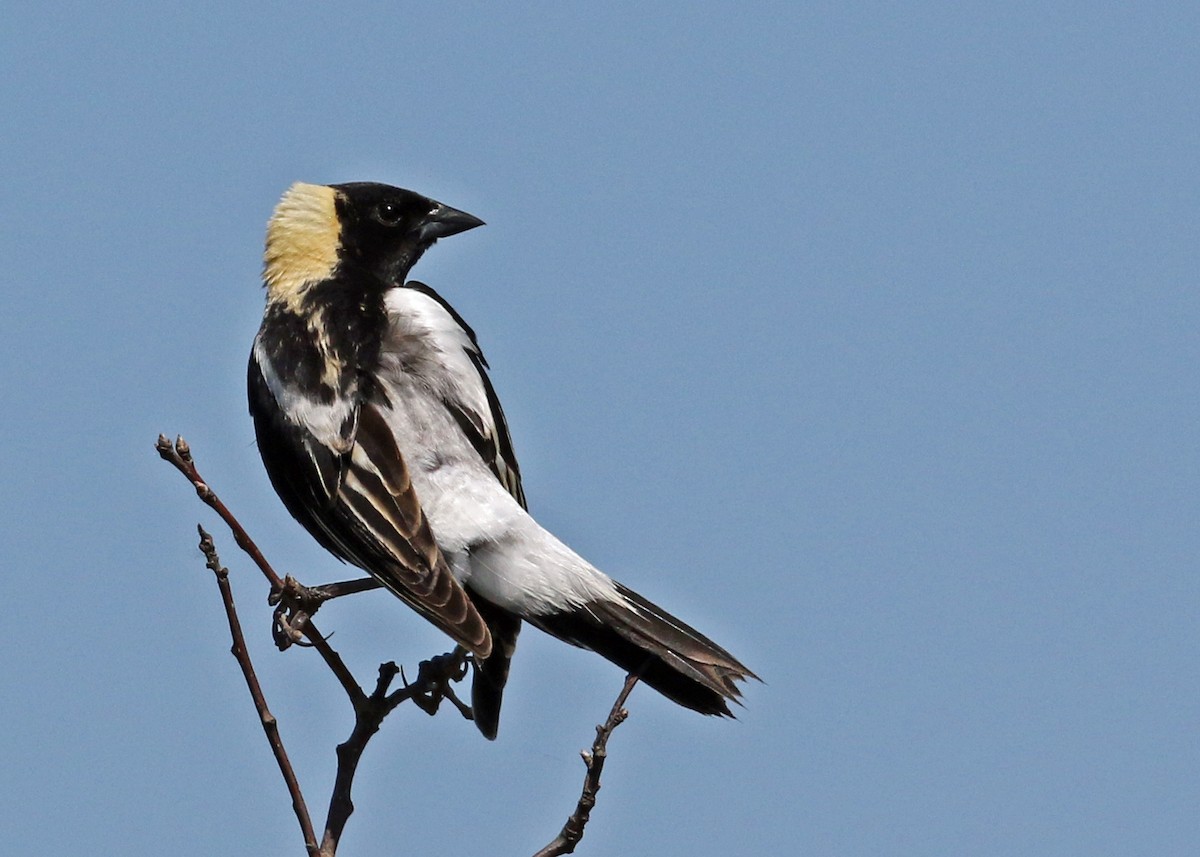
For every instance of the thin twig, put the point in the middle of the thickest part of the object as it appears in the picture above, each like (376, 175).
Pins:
(295, 605)
(367, 717)
(434, 677)
(180, 455)
(572, 831)
(269, 724)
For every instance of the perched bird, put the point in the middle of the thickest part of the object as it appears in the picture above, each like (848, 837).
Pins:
(382, 434)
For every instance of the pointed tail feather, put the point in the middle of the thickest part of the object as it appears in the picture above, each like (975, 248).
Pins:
(672, 657)
(491, 673)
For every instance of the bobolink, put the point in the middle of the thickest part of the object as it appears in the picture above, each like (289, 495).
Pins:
(382, 434)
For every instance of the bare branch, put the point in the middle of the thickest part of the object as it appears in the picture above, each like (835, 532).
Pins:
(295, 604)
(292, 623)
(269, 724)
(180, 455)
(368, 715)
(572, 831)
(434, 677)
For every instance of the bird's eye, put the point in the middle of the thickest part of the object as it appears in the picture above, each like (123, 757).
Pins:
(389, 213)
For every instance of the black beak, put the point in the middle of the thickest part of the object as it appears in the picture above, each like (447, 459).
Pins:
(444, 221)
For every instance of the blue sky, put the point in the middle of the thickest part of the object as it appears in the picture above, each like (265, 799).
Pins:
(862, 336)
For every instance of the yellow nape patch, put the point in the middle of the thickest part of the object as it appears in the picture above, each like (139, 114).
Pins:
(303, 238)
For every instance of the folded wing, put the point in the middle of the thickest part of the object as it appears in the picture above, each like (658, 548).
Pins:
(351, 490)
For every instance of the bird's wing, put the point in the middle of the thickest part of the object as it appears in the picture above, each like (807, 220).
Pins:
(424, 324)
(346, 481)
(473, 400)
(382, 506)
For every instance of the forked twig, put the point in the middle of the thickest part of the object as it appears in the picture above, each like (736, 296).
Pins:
(294, 606)
(433, 682)
(432, 685)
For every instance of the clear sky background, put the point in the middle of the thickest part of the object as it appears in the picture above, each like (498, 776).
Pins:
(862, 336)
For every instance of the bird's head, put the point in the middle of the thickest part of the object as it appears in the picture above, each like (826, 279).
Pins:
(376, 228)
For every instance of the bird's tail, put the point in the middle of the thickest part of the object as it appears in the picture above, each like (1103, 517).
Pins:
(491, 673)
(640, 637)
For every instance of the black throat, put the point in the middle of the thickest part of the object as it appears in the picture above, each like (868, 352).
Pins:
(330, 347)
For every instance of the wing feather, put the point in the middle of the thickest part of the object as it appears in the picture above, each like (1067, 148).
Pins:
(471, 400)
(361, 506)
(377, 489)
